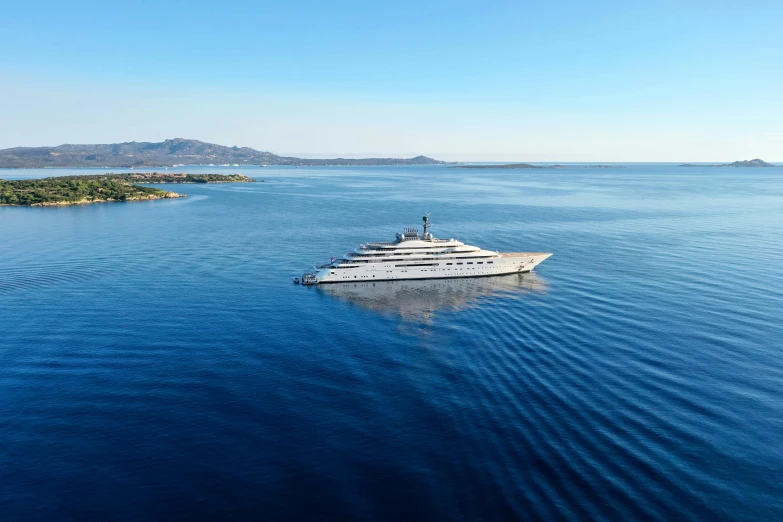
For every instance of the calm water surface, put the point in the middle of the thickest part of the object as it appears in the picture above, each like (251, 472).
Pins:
(158, 363)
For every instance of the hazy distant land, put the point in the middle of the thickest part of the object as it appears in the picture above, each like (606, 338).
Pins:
(747, 163)
(100, 188)
(529, 166)
(170, 153)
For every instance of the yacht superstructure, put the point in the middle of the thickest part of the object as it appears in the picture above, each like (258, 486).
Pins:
(414, 256)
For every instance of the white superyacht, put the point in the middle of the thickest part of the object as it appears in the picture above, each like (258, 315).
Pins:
(414, 256)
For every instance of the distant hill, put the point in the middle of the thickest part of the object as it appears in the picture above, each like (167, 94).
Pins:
(169, 153)
(747, 163)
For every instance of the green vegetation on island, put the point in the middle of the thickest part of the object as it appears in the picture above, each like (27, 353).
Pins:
(73, 190)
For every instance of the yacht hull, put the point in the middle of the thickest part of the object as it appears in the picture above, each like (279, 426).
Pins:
(501, 264)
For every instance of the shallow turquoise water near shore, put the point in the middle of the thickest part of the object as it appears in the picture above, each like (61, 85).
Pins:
(158, 361)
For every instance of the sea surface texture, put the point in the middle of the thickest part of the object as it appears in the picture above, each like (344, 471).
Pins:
(158, 363)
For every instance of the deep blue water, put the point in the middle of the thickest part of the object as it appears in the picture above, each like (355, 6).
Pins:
(158, 363)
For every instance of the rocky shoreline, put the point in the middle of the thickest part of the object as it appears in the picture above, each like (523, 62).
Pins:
(167, 195)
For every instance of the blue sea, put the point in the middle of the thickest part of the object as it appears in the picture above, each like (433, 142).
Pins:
(158, 363)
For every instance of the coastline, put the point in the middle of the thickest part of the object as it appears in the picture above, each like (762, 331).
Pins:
(64, 203)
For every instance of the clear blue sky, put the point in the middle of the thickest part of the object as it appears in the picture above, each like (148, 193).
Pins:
(572, 80)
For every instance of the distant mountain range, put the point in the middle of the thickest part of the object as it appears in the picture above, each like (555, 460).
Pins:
(170, 153)
(747, 163)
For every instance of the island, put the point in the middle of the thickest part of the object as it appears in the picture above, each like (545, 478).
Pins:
(747, 163)
(164, 177)
(529, 166)
(173, 153)
(99, 188)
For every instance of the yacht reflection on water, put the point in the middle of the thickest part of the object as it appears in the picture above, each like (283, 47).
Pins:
(420, 299)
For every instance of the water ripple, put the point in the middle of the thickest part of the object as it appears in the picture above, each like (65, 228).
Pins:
(155, 353)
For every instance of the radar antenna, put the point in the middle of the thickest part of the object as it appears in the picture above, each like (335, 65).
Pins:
(427, 225)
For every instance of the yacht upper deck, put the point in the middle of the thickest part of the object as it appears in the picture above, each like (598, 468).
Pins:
(412, 250)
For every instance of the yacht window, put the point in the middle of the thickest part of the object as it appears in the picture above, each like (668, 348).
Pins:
(459, 263)
(449, 263)
(489, 262)
(480, 263)
(470, 262)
